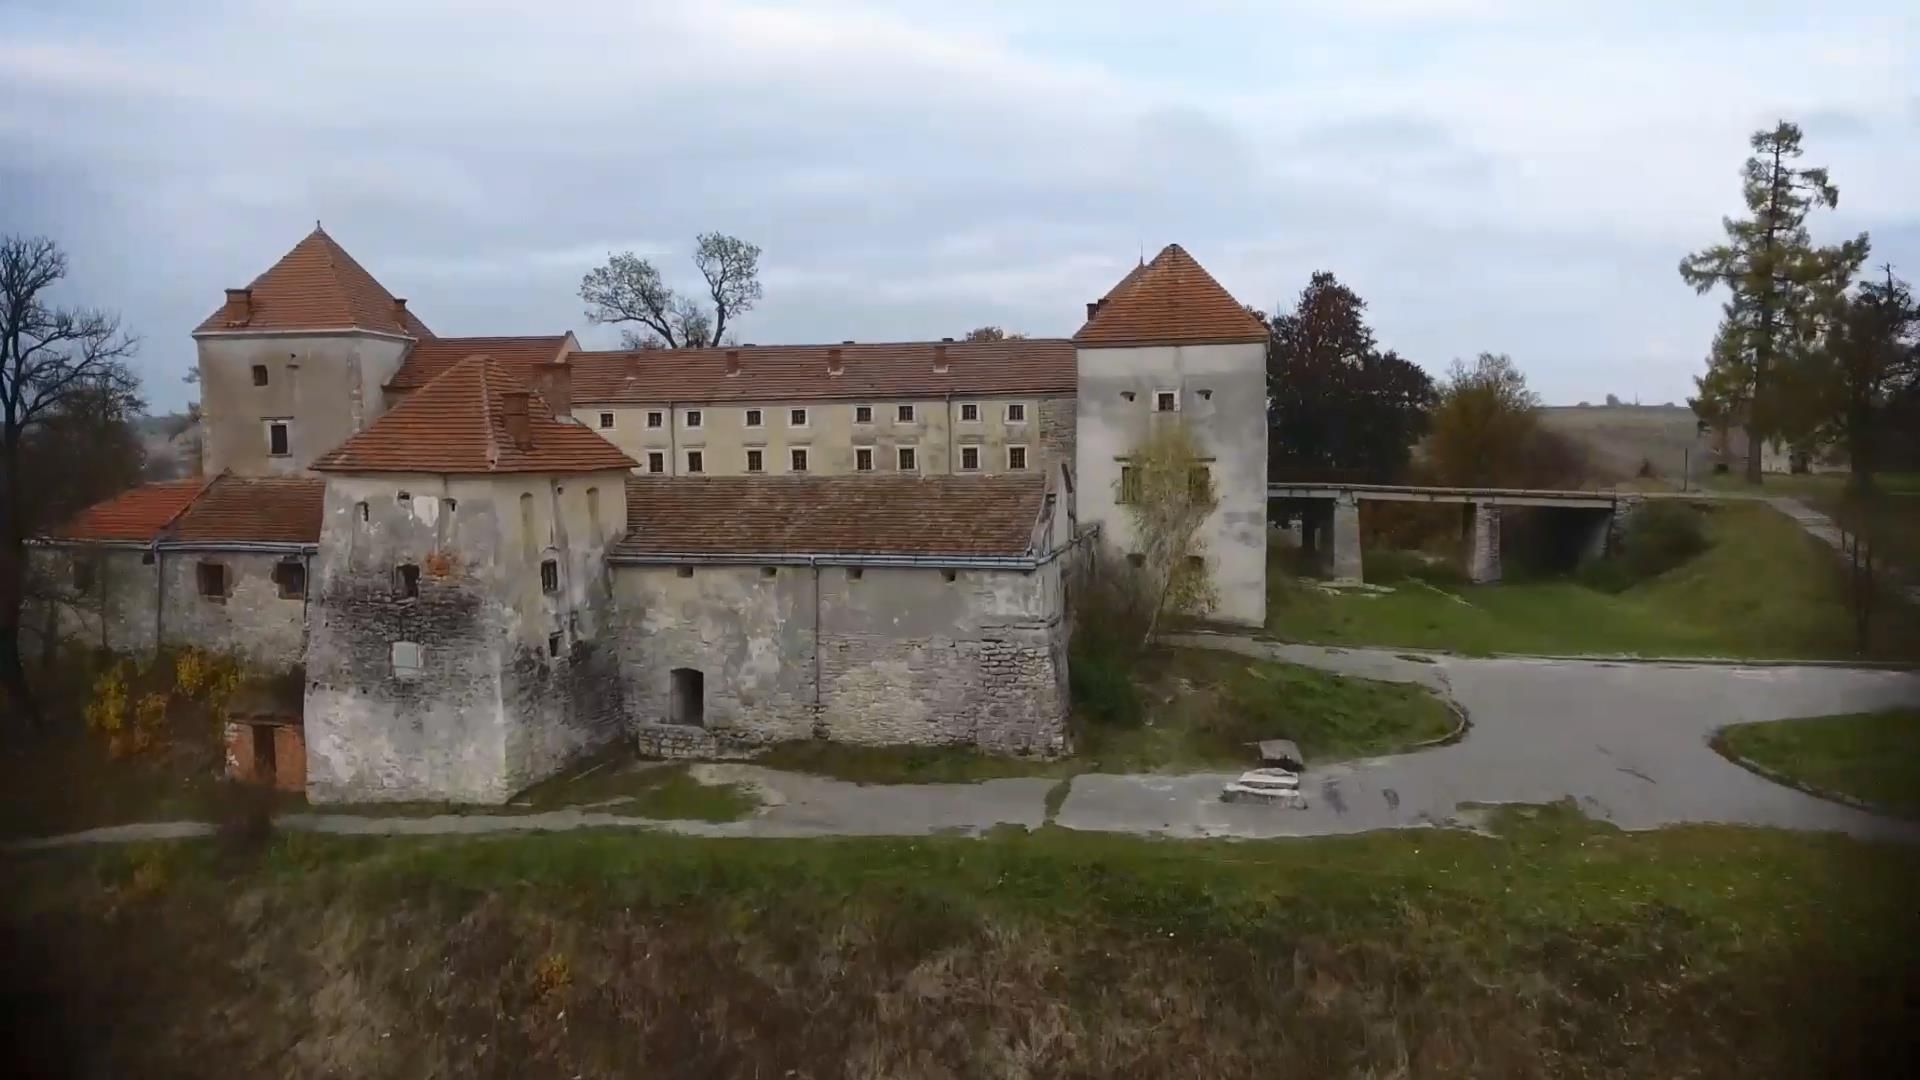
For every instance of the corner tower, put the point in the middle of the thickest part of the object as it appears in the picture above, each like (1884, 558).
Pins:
(1168, 344)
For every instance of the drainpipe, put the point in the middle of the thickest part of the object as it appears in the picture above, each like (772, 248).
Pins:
(950, 467)
(673, 450)
(819, 720)
(159, 593)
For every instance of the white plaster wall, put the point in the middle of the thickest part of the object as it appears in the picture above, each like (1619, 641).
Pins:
(1229, 423)
(329, 384)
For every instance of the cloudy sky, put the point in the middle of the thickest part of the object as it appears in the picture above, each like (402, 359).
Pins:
(1518, 176)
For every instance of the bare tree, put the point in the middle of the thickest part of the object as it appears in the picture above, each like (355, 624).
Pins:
(50, 358)
(629, 289)
(1167, 489)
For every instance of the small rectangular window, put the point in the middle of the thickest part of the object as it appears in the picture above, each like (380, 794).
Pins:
(259, 374)
(693, 418)
(606, 419)
(696, 461)
(753, 418)
(407, 658)
(863, 459)
(797, 459)
(1016, 459)
(969, 411)
(863, 414)
(553, 644)
(655, 418)
(1166, 400)
(549, 576)
(756, 461)
(908, 459)
(406, 581)
(82, 574)
(969, 459)
(656, 461)
(1016, 412)
(277, 438)
(683, 571)
(796, 418)
(904, 414)
(1129, 484)
(291, 577)
(212, 578)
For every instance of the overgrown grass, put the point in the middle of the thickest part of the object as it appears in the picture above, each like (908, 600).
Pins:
(1557, 948)
(907, 764)
(1873, 757)
(1762, 589)
(1892, 517)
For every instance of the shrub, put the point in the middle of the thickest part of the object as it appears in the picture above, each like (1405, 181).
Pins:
(1110, 616)
(1660, 536)
(1100, 675)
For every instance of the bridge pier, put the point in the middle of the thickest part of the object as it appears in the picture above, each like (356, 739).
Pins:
(1482, 524)
(1344, 542)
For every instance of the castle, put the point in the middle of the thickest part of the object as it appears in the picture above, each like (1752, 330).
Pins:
(493, 555)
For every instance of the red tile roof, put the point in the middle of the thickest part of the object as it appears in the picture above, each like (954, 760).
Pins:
(316, 286)
(457, 424)
(282, 509)
(430, 358)
(799, 372)
(137, 514)
(961, 516)
(1171, 301)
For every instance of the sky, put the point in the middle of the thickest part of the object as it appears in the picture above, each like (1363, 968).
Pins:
(1517, 176)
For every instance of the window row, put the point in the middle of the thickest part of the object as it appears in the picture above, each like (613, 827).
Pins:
(799, 459)
(1014, 412)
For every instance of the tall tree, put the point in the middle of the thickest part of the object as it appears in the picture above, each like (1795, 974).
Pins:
(629, 289)
(1867, 366)
(52, 360)
(1335, 402)
(1485, 424)
(1782, 284)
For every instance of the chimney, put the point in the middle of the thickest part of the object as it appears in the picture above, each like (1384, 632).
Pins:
(733, 362)
(940, 359)
(1093, 308)
(849, 341)
(946, 339)
(400, 311)
(513, 408)
(554, 381)
(834, 367)
(239, 306)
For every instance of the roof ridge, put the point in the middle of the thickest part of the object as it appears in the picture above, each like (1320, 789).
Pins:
(167, 526)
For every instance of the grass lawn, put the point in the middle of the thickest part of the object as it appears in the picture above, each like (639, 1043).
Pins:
(1873, 757)
(1763, 590)
(1894, 516)
(1200, 710)
(1556, 948)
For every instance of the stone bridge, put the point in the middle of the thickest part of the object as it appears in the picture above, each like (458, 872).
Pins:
(1330, 517)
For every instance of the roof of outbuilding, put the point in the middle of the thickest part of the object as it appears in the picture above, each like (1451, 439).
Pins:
(956, 516)
(800, 372)
(316, 286)
(1170, 301)
(430, 358)
(225, 509)
(136, 514)
(457, 424)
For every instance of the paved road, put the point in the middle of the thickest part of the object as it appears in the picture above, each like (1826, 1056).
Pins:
(1626, 741)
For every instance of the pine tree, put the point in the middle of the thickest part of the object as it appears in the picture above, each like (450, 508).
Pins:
(1784, 288)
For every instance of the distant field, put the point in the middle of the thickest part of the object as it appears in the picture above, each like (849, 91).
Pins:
(1621, 437)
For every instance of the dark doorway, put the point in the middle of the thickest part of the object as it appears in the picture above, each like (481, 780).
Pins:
(265, 766)
(687, 702)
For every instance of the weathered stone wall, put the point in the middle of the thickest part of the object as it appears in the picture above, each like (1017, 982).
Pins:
(327, 385)
(905, 655)
(513, 683)
(116, 612)
(1057, 423)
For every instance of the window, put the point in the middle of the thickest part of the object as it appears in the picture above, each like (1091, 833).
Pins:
(363, 510)
(687, 697)
(863, 459)
(212, 577)
(1197, 563)
(756, 461)
(593, 513)
(606, 419)
(696, 461)
(769, 571)
(527, 540)
(1016, 412)
(854, 573)
(553, 644)
(1166, 400)
(292, 579)
(969, 412)
(655, 418)
(796, 418)
(969, 459)
(907, 458)
(82, 574)
(407, 658)
(1200, 484)
(949, 575)
(259, 374)
(903, 414)
(754, 418)
(1129, 484)
(863, 414)
(683, 571)
(406, 581)
(1016, 459)
(797, 459)
(1135, 558)
(549, 575)
(656, 461)
(277, 438)
(693, 418)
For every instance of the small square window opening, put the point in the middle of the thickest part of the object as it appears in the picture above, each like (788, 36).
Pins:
(754, 418)
(1016, 412)
(1166, 401)
(696, 461)
(908, 459)
(277, 439)
(863, 414)
(863, 459)
(694, 418)
(549, 575)
(656, 461)
(406, 581)
(1016, 459)
(969, 411)
(655, 418)
(606, 419)
(212, 579)
(969, 458)
(904, 414)
(796, 418)
(756, 461)
(797, 459)
(291, 577)
(259, 374)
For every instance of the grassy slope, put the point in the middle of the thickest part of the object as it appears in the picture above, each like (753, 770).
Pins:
(1765, 589)
(1559, 949)
(1895, 516)
(1873, 757)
